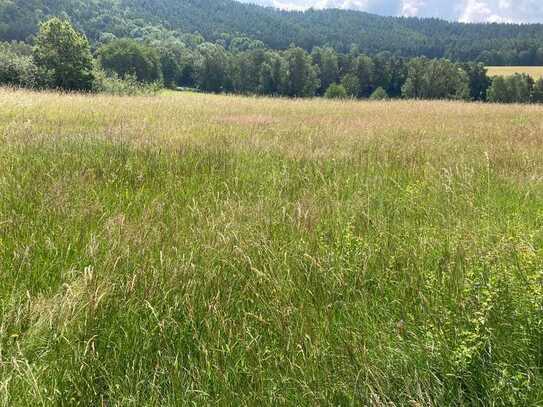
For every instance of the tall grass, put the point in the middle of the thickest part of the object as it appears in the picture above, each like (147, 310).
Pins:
(197, 249)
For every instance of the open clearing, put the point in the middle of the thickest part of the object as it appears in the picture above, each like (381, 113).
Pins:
(535, 72)
(207, 249)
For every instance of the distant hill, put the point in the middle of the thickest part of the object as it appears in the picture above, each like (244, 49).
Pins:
(493, 44)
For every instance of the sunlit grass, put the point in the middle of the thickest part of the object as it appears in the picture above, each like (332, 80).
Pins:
(199, 249)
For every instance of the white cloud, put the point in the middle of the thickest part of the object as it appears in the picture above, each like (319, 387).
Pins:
(479, 10)
(317, 4)
(462, 10)
(411, 8)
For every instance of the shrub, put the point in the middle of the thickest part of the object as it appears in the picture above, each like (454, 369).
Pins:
(127, 86)
(335, 91)
(17, 70)
(379, 94)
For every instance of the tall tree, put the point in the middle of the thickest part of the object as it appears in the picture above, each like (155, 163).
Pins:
(170, 63)
(435, 79)
(327, 61)
(513, 89)
(63, 54)
(537, 91)
(273, 74)
(210, 67)
(302, 77)
(129, 57)
(498, 92)
(364, 69)
(479, 81)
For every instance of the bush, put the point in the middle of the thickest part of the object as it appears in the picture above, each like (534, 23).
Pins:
(335, 91)
(17, 70)
(127, 86)
(379, 94)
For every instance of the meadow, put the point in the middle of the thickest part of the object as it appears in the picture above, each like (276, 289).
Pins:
(535, 72)
(193, 249)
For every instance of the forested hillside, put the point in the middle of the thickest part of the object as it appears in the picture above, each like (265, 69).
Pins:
(224, 20)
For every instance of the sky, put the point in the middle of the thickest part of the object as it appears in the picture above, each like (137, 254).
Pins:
(515, 11)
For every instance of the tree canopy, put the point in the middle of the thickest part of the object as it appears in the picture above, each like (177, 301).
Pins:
(241, 26)
(63, 55)
(129, 57)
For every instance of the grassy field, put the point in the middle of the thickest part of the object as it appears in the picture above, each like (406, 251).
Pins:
(199, 249)
(535, 72)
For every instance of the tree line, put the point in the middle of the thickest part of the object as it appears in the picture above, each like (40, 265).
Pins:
(62, 58)
(223, 22)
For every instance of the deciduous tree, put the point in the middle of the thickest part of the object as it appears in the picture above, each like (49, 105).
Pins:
(63, 56)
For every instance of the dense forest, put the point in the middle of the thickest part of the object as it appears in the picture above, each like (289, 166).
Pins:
(226, 21)
(61, 58)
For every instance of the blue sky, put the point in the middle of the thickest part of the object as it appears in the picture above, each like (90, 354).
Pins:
(462, 10)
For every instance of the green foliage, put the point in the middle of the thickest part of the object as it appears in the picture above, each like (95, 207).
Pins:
(210, 67)
(435, 79)
(379, 94)
(273, 75)
(126, 57)
(390, 73)
(326, 60)
(302, 78)
(241, 44)
(244, 26)
(247, 71)
(520, 86)
(240, 64)
(364, 69)
(537, 91)
(479, 82)
(171, 66)
(17, 70)
(129, 85)
(335, 91)
(63, 56)
(17, 48)
(19, 19)
(351, 84)
(513, 89)
(498, 91)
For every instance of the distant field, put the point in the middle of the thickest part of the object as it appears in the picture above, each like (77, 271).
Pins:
(212, 250)
(535, 72)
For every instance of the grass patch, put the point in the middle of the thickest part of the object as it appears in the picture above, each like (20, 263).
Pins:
(199, 249)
